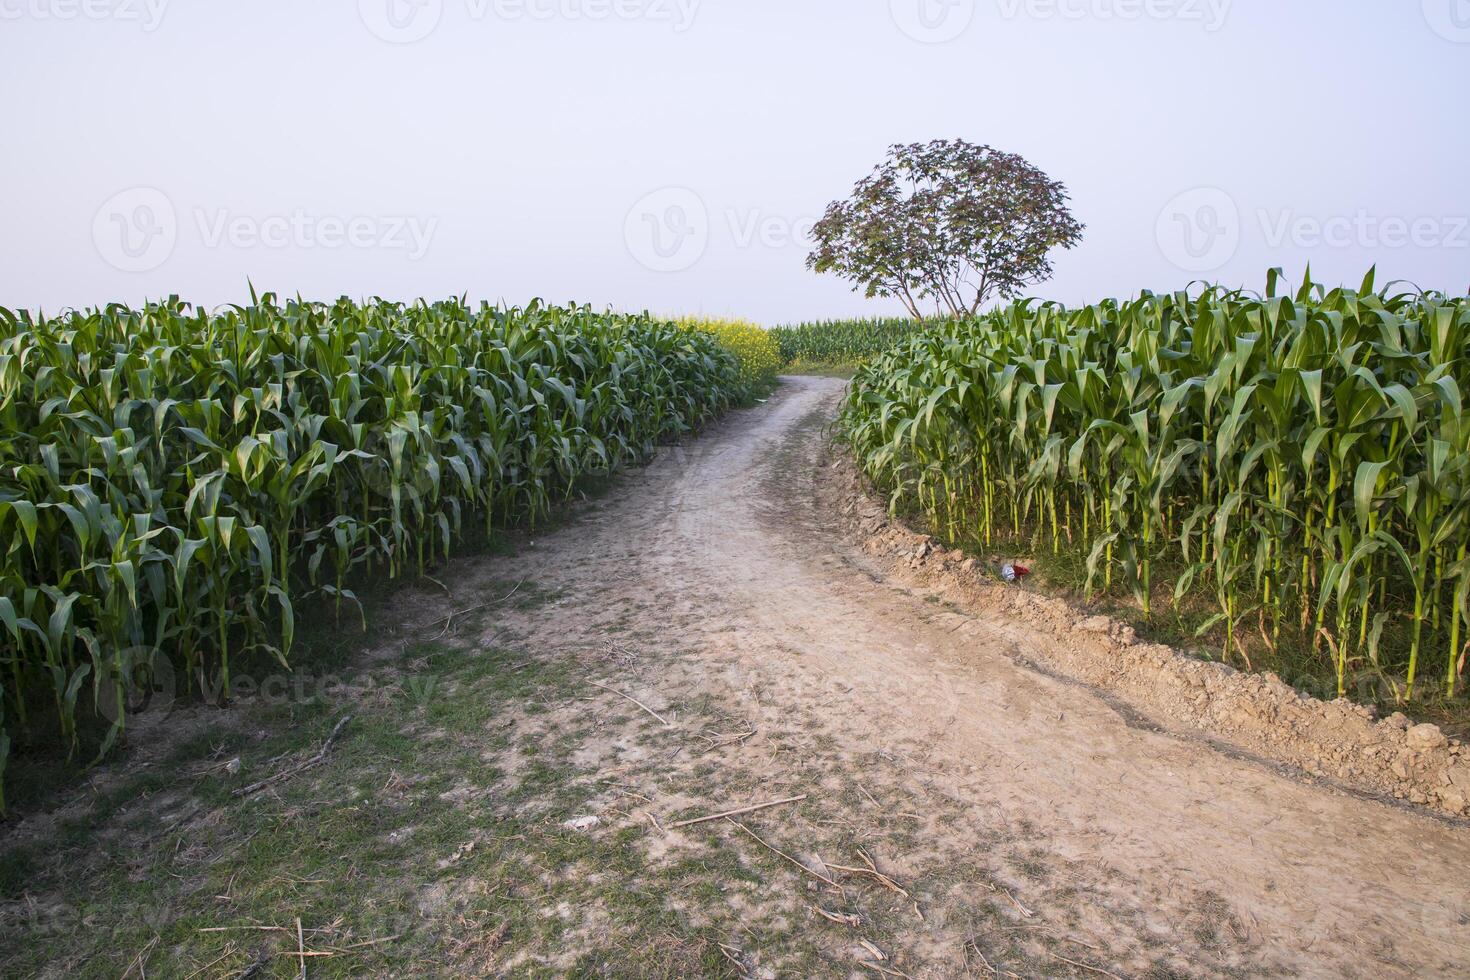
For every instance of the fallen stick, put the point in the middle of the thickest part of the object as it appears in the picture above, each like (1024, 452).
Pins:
(724, 740)
(1025, 912)
(972, 944)
(1071, 939)
(733, 954)
(736, 813)
(229, 951)
(640, 704)
(449, 622)
(879, 876)
(841, 918)
(301, 947)
(141, 960)
(311, 763)
(781, 853)
(371, 942)
(1085, 966)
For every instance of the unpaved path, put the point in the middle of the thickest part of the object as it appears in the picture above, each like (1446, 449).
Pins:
(1149, 850)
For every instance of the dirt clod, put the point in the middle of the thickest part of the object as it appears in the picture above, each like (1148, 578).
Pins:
(1426, 738)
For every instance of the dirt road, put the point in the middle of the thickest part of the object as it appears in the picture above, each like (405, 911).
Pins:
(998, 789)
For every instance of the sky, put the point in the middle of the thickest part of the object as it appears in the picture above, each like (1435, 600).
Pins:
(671, 155)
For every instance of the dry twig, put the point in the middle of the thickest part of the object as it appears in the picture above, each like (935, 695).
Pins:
(449, 621)
(311, 763)
(736, 813)
(721, 740)
(370, 942)
(141, 960)
(850, 919)
(1025, 912)
(733, 954)
(1085, 966)
(870, 871)
(229, 951)
(971, 944)
(662, 720)
(788, 857)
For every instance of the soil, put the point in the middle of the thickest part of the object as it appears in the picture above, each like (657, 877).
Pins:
(1045, 796)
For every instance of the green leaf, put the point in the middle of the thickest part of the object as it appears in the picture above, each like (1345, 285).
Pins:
(1365, 489)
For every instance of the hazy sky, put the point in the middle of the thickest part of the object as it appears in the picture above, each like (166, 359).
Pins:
(669, 154)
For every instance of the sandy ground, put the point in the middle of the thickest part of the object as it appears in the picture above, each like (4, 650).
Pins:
(1158, 851)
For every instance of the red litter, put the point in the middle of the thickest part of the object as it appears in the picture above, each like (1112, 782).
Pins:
(1014, 573)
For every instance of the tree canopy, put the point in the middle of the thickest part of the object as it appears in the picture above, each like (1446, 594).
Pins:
(947, 222)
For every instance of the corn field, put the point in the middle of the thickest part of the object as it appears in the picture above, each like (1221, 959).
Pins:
(1299, 464)
(174, 482)
(841, 341)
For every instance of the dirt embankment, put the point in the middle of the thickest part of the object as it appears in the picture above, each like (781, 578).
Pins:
(1258, 713)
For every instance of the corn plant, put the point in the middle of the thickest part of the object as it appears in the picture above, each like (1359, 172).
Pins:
(841, 341)
(1302, 461)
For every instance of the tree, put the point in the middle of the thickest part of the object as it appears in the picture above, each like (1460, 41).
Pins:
(948, 222)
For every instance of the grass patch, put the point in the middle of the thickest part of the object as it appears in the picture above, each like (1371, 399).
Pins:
(413, 829)
(822, 369)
